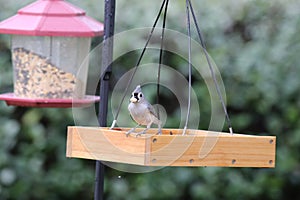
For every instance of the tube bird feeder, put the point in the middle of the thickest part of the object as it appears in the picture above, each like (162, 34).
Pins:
(50, 39)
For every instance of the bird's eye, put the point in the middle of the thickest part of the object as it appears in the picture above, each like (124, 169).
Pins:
(140, 95)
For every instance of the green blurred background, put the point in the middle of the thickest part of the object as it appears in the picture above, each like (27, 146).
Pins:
(256, 46)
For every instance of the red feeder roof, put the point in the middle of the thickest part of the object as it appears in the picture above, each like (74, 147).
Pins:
(51, 18)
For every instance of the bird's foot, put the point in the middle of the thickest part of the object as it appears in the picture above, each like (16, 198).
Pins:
(130, 131)
(140, 133)
(159, 132)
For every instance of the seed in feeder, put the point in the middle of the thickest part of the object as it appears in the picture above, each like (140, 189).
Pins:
(37, 77)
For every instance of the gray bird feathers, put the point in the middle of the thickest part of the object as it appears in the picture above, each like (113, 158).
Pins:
(142, 112)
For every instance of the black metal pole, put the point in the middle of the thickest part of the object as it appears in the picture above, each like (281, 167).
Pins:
(107, 51)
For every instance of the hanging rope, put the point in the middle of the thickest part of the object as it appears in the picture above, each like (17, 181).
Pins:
(137, 65)
(211, 68)
(189, 9)
(161, 56)
(189, 66)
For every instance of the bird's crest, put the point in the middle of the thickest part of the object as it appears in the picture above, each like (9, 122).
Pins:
(137, 89)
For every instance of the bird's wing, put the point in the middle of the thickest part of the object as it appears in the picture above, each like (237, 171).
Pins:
(151, 109)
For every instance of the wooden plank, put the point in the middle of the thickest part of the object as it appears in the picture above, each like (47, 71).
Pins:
(75, 147)
(101, 144)
(197, 148)
(218, 150)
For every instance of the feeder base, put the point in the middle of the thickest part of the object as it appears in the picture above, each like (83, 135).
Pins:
(12, 100)
(196, 148)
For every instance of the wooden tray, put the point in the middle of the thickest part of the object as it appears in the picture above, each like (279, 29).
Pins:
(196, 148)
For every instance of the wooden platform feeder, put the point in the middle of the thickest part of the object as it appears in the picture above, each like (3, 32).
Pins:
(50, 41)
(196, 148)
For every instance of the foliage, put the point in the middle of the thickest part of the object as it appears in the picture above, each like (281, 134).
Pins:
(255, 45)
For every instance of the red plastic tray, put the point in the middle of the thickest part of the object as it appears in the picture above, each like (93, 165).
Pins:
(12, 100)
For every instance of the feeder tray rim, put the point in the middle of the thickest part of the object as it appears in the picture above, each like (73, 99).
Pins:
(190, 132)
(13, 100)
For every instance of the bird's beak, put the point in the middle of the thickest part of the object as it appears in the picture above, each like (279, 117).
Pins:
(133, 99)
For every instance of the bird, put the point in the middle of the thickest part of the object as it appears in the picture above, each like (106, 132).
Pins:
(142, 112)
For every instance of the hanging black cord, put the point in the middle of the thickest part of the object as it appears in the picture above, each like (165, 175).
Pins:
(211, 68)
(137, 65)
(189, 65)
(161, 56)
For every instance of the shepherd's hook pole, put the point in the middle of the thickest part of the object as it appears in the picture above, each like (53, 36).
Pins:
(107, 56)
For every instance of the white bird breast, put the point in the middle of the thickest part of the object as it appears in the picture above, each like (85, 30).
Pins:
(140, 113)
